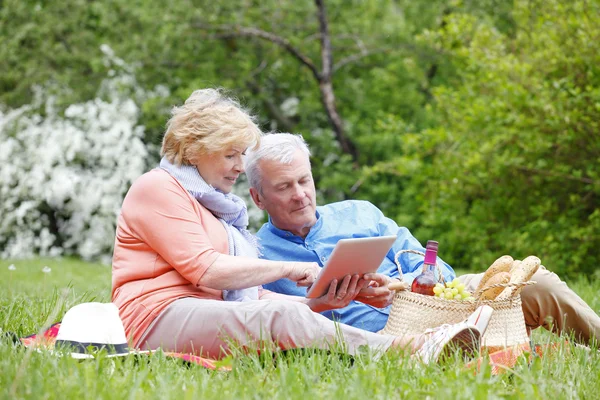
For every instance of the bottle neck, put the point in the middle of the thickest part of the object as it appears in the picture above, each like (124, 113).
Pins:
(430, 257)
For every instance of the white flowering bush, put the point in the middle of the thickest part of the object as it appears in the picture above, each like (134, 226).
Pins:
(63, 178)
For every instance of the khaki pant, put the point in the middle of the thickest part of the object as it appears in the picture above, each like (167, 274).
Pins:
(207, 327)
(551, 304)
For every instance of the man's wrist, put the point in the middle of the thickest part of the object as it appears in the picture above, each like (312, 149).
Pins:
(315, 305)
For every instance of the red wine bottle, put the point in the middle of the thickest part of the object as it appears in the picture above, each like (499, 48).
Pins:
(425, 282)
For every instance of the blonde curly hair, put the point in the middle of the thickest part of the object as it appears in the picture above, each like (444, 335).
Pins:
(208, 122)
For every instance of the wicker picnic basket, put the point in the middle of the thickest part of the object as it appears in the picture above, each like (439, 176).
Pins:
(413, 313)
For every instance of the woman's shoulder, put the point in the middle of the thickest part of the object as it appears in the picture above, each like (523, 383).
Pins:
(154, 179)
(157, 182)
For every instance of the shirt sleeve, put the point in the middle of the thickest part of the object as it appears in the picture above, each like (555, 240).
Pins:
(410, 263)
(161, 214)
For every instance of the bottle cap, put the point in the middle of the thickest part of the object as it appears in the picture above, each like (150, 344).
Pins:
(432, 244)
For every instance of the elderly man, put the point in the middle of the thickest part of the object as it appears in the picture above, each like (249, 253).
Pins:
(281, 183)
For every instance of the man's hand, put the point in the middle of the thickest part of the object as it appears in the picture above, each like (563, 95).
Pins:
(303, 273)
(377, 294)
(338, 296)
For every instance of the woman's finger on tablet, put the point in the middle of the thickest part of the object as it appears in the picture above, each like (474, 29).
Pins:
(304, 273)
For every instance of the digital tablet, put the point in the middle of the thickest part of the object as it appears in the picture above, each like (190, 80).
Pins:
(349, 257)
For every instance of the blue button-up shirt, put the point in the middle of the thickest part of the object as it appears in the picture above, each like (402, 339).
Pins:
(335, 221)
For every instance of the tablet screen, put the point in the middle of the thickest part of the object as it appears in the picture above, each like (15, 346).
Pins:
(349, 257)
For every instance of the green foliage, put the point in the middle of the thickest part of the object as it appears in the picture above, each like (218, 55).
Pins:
(516, 153)
(56, 45)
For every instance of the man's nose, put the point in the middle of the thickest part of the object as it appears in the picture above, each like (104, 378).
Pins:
(299, 192)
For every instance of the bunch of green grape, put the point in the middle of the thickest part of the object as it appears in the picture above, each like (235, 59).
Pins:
(453, 290)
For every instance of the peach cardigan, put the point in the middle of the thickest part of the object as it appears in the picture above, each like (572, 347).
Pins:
(164, 243)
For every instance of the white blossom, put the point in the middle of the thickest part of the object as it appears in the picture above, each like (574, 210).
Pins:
(12, 267)
(63, 176)
(46, 269)
(289, 107)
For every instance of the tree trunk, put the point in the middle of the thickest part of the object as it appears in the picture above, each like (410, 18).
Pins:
(326, 86)
(328, 99)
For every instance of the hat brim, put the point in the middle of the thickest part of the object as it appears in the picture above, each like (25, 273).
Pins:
(84, 356)
(87, 356)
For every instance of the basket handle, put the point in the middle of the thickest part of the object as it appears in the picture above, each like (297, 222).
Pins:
(400, 277)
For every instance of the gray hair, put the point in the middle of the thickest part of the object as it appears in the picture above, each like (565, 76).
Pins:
(279, 147)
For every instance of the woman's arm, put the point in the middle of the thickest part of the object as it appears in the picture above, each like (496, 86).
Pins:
(236, 272)
(167, 223)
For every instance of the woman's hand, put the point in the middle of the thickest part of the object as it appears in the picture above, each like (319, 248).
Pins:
(377, 294)
(338, 297)
(303, 273)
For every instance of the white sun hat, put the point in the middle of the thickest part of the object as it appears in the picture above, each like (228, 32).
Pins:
(89, 327)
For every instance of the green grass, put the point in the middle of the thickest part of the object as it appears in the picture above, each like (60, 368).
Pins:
(30, 299)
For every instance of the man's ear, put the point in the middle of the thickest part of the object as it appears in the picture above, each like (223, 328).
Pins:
(256, 198)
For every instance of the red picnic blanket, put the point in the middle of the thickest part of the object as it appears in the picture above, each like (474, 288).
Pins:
(48, 338)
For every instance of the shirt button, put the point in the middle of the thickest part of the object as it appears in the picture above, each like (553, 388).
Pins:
(323, 258)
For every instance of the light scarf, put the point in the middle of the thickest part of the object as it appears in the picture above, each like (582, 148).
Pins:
(229, 209)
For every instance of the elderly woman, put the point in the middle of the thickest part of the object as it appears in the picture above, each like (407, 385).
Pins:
(185, 272)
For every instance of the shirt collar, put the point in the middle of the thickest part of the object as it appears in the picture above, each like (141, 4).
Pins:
(289, 235)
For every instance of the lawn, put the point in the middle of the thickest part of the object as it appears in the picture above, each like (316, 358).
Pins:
(31, 299)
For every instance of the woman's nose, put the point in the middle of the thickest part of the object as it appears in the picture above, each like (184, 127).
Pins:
(239, 166)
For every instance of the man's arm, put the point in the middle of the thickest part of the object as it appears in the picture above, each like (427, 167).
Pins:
(378, 294)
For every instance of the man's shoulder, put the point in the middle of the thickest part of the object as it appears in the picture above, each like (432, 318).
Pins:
(263, 231)
(268, 241)
(347, 206)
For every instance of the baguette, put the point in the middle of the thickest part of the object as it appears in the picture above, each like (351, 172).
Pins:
(502, 264)
(522, 272)
(489, 293)
(516, 264)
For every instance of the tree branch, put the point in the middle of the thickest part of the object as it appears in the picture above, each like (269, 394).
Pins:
(357, 40)
(231, 31)
(326, 55)
(358, 56)
(323, 77)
